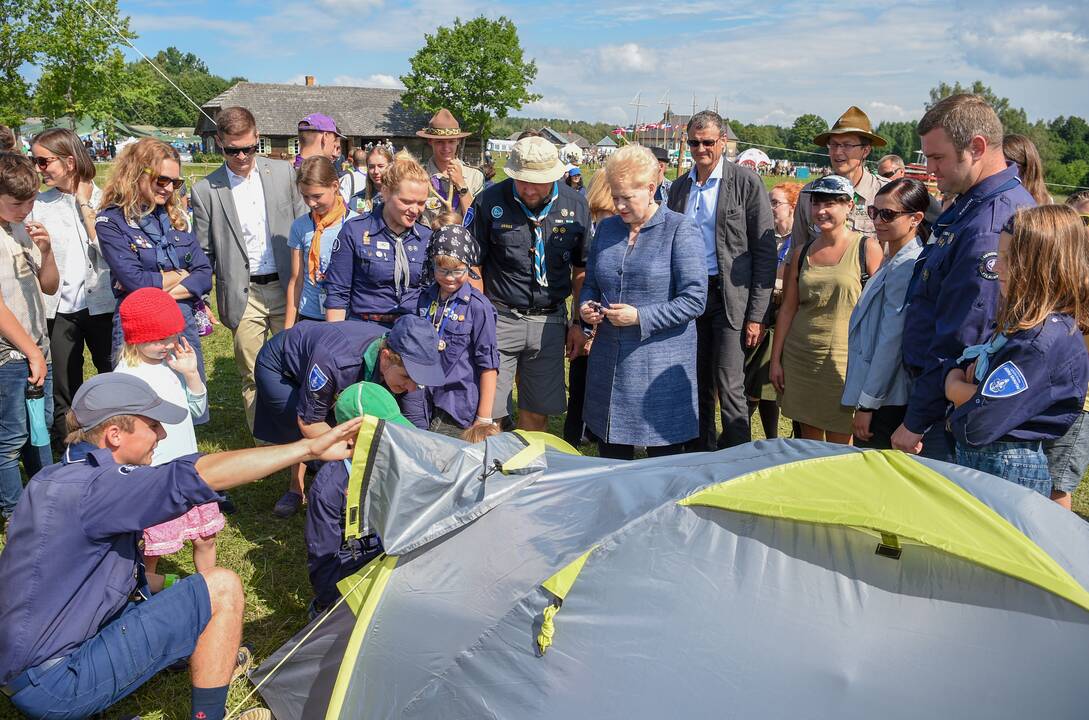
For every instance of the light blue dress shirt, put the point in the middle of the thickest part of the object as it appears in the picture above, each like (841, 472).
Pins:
(701, 206)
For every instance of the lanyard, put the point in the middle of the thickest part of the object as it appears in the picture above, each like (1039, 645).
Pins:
(447, 312)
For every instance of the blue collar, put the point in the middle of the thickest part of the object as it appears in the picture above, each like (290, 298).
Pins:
(77, 453)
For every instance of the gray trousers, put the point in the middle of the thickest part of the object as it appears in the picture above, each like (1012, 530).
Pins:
(720, 378)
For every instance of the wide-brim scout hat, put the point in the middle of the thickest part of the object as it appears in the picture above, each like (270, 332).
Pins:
(443, 126)
(534, 160)
(853, 121)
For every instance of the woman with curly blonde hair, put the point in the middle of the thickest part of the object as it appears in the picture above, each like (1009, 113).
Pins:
(144, 234)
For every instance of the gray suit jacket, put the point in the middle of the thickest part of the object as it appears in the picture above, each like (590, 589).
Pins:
(215, 221)
(744, 241)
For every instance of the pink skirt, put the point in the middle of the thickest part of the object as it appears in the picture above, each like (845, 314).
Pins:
(203, 521)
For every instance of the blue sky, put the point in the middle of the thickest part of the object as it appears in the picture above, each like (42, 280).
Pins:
(763, 60)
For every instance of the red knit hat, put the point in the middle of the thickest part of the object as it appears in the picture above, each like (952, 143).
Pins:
(149, 314)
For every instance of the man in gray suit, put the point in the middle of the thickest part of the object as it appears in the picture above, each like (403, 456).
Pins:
(242, 214)
(730, 206)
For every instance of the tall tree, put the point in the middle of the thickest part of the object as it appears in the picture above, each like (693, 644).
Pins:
(805, 128)
(903, 140)
(1014, 120)
(16, 48)
(474, 69)
(167, 107)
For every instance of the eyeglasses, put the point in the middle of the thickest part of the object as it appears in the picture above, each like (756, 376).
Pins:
(885, 215)
(236, 151)
(778, 203)
(455, 273)
(694, 143)
(42, 162)
(164, 181)
(844, 146)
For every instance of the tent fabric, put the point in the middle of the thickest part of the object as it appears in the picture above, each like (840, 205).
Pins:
(687, 610)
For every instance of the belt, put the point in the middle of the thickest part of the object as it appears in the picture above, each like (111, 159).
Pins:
(22, 680)
(378, 317)
(264, 279)
(534, 310)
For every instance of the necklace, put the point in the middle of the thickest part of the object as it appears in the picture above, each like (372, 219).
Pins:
(440, 320)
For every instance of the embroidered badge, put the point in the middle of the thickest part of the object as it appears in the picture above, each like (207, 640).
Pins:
(497, 212)
(382, 245)
(366, 238)
(469, 215)
(1005, 381)
(101, 219)
(316, 380)
(336, 243)
(432, 203)
(125, 469)
(987, 262)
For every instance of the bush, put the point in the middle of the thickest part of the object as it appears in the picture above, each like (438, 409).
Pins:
(206, 157)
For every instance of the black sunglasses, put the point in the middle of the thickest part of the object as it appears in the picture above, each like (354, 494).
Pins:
(164, 181)
(886, 216)
(42, 162)
(693, 143)
(889, 173)
(235, 151)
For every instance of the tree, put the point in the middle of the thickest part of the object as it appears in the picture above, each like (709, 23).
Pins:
(903, 140)
(167, 107)
(1014, 120)
(805, 128)
(474, 69)
(16, 48)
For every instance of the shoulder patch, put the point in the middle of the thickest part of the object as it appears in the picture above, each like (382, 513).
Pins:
(986, 267)
(497, 212)
(101, 219)
(1005, 381)
(316, 380)
(469, 214)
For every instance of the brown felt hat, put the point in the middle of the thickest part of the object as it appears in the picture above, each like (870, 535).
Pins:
(853, 121)
(443, 126)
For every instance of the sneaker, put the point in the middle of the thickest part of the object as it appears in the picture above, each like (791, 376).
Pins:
(226, 505)
(256, 714)
(243, 662)
(288, 504)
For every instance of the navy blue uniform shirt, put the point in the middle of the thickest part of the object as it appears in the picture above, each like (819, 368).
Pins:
(953, 293)
(323, 358)
(506, 243)
(1034, 389)
(137, 261)
(71, 560)
(360, 278)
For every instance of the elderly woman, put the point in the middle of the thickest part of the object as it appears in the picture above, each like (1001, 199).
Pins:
(144, 234)
(821, 287)
(646, 282)
(81, 313)
(877, 384)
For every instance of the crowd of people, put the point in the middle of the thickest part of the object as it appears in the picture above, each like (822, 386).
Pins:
(655, 315)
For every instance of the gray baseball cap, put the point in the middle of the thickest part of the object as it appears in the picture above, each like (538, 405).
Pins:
(831, 185)
(113, 393)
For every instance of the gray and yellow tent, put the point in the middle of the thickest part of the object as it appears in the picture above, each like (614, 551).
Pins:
(781, 579)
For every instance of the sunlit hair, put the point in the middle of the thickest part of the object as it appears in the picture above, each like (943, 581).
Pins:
(1022, 152)
(63, 143)
(479, 433)
(316, 171)
(139, 162)
(447, 217)
(404, 167)
(632, 165)
(792, 190)
(385, 152)
(1077, 198)
(1046, 268)
(600, 198)
(94, 435)
(235, 121)
(18, 178)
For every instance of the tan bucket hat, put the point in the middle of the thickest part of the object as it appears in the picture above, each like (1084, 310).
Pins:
(443, 126)
(853, 121)
(534, 160)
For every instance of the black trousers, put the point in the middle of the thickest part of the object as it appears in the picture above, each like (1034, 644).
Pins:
(883, 424)
(573, 427)
(68, 334)
(627, 452)
(720, 377)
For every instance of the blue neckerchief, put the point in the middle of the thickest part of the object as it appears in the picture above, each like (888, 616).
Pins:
(982, 354)
(535, 220)
(158, 227)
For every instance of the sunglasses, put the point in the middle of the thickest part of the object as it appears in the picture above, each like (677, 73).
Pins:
(888, 173)
(886, 216)
(42, 162)
(693, 143)
(164, 181)
(236, 151)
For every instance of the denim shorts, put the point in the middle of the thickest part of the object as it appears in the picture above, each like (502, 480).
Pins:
(1023, 463)
(1068, 456)
(146, 638)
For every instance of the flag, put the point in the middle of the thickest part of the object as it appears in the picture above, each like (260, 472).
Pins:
(618, 131)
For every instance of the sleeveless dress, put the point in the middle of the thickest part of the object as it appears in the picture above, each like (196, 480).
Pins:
(815, 352)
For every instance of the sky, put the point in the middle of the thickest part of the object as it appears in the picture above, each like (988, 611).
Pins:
(762, 61)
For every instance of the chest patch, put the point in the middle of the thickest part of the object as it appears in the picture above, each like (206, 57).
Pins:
(316, 380)
(497, 212)
(1005, 381)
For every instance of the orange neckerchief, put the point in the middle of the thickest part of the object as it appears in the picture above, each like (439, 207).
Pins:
(331, 218)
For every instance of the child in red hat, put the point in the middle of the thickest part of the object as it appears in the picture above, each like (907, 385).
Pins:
(155, 351)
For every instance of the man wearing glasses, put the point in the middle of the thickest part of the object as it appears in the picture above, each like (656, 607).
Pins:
(242, 214)
(891, 167)
(730, 206)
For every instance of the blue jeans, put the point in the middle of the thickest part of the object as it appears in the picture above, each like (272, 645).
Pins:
(1023, 463)
(938, 444)
(15, 433)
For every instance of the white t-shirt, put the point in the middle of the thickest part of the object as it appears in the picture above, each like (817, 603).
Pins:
(180, 438)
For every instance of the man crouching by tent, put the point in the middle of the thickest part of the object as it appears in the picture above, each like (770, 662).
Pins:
(81, 625)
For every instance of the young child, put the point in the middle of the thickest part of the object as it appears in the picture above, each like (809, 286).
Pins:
(27, 269)
(311, 239)
(1027, 385)
(465, 322)
(155, 351)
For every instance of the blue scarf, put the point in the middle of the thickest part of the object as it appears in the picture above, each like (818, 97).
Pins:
(158, 227)
(536, 221)
(982, 354)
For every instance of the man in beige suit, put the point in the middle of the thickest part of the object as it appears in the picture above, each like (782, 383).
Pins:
(242, 214)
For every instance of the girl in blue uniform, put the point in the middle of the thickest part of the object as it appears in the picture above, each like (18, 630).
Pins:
(1027, 384)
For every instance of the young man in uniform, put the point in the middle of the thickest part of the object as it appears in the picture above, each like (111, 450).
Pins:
(320, 136)
(953, 294)
(72, 641)
(532, 231)
(454, 186)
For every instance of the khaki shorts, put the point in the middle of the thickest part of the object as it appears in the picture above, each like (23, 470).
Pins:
(531, 348)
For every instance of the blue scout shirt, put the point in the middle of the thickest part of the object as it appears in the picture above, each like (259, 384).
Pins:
(72, 560)
(137, 260)
(324, 358)
(329, 557)
(953, 293)
(1034, 388)
(312, 301)
(360, 275)
(465, 324)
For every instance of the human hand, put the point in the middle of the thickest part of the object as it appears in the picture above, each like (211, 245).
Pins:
(83, 191)
(621, 314)
(336, 444)
(777, 376)
(457, 177)
(970, 373)
(754, 333)
(38, 369)
(183, 358)
(37, 232)
(575, 339)
(907, 441)
(591, 312)
(861, 425)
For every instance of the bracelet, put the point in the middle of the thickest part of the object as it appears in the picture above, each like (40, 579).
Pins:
(485, 420)
(169, 579)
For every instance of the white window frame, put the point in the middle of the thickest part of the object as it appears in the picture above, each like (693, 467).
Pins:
(293, 146)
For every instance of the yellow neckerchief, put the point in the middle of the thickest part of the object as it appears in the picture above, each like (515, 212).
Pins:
(331, 218)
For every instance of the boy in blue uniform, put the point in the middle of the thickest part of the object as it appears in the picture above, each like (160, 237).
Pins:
(329, 557)
(953, 294)
(465, 323)
(71, 642)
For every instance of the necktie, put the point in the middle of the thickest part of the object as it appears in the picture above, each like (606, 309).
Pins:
(536, 221)
(982, 354)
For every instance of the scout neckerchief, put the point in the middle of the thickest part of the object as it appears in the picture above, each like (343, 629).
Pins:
(982, 354)
(370, 361)
(334, 216)
(402, 271)
(536, 221)
(158, 228)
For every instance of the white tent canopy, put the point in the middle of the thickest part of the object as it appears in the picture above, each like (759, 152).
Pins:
(753, 158)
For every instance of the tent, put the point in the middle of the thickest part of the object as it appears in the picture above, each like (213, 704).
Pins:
(778, 579)
(754, 158)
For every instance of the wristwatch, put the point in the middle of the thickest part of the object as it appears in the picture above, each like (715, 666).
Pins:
(863, 408)
(461, 190)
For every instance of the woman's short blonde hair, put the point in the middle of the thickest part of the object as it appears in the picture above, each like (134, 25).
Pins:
(632, 164)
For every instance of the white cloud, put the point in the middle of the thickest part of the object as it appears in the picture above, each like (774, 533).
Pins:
(879, 111)
(379, 80)
(629, 57)
(547, 108)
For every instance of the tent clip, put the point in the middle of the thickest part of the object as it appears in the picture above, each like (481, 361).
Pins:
(889, 547)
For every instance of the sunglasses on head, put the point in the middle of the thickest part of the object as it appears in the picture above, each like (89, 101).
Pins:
(886, 216)
(164, 181)
(42, 162)
(693, 143)
(236, 151)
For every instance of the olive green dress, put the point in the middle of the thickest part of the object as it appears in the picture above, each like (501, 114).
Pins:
(815, 352)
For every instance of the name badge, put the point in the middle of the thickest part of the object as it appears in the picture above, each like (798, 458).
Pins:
(382, 245)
